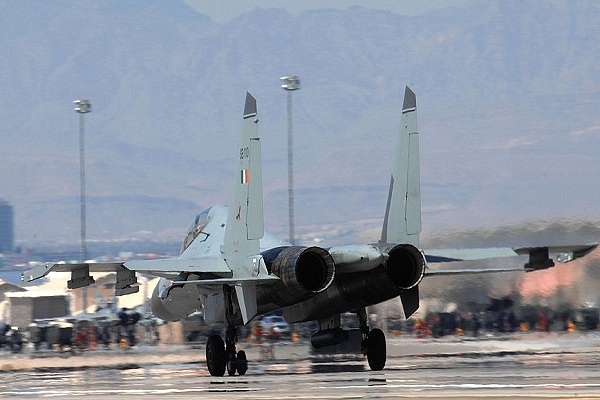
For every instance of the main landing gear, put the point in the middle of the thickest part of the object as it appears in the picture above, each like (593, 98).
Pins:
(375, 349)
(221, 356)
(373, 343)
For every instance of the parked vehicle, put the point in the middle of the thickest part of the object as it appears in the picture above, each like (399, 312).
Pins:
(275, 325)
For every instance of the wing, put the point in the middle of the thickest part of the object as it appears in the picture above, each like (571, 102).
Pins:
(164, 267)
(539, 258)
(360, 258)
(126, 282)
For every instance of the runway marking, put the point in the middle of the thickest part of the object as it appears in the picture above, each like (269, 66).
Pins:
(471, 386)
(62, 393)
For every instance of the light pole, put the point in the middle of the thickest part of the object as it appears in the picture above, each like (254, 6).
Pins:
(289, 84)
(83, 107)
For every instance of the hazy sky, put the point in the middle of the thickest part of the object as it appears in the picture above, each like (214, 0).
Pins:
(486, 159)
(226, 9)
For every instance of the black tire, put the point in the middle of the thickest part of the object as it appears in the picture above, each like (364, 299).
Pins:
(216, 359)
(231, 364)
(242, 365)
(376, 350)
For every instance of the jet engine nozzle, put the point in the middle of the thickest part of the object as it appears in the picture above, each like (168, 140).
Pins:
(405, 265)
(304, 271)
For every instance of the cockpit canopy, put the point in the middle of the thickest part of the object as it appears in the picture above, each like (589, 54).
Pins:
(196, 228)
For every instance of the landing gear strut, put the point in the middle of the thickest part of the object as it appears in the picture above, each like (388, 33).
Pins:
(236, 361)
(221, 356)
(373, 343)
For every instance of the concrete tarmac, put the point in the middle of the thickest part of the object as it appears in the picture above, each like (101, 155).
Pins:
(515, 366)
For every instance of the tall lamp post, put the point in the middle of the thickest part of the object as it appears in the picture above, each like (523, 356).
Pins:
(289, 84)
(83, 107)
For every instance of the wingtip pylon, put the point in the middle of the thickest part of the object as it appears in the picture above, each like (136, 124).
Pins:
(249, 106)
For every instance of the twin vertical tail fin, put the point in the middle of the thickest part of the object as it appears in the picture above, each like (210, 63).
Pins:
(245, 217)
(245, 226)
(402, 221)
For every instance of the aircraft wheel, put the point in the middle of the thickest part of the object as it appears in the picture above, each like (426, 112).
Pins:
(216, 356)
(231, 364)
(242, 364)
(376, 350)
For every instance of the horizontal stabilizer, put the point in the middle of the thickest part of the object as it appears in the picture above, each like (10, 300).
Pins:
(468, 271)
(264, 280)
(215, 265)
(480, 253)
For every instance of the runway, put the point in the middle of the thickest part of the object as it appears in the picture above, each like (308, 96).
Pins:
(556, 368)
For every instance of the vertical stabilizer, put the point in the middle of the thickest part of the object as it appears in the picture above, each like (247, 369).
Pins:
(245, 214)
(402, 221)
(245, 227)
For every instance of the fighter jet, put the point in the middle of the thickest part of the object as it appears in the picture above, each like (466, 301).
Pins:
(234, 271)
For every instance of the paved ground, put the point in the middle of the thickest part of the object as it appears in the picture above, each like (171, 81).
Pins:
(520, 366)
(285, 351)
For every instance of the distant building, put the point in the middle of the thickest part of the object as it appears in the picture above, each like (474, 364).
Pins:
(6, 287)
(24, 307)
(6, 227)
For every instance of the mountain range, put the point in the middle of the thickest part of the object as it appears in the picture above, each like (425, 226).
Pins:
(508, 95)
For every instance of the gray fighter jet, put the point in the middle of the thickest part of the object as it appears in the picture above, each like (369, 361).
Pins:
(234, 271)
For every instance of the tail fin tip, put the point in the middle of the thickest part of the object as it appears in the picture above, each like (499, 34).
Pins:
(410, 100)
(249, 106)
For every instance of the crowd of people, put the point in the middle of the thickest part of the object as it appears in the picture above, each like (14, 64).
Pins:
(503, 321)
